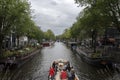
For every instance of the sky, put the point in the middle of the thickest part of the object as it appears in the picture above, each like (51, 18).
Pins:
(56, 15)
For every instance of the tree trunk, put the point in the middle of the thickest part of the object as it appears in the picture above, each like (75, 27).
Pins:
(94, 36)
(18, 41)
(1, 43)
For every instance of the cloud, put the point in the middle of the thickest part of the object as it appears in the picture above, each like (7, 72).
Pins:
(56, 15)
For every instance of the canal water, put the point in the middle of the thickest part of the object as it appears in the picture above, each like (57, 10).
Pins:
(38, 67)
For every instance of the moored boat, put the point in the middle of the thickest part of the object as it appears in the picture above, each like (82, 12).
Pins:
(17, 61)
(61, 70)
(46, 44)
(101, 61)
(73, 45)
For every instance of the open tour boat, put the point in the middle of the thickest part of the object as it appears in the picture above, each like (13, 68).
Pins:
(61, 70)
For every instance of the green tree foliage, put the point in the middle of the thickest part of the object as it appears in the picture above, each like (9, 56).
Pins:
(49, 35)
(75, 30)
(66, 34)
(34, 32)
(107, 10)
(97, 15)
(15, 16)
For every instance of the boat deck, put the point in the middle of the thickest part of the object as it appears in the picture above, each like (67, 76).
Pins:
(57, 77)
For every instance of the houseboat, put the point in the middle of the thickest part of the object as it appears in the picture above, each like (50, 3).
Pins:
(95, 59)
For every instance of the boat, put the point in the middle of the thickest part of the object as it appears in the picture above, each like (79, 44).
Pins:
(46, 44)
(72, 45)
(23, 59)
(61, 63)
(101, 61)
(17, 61)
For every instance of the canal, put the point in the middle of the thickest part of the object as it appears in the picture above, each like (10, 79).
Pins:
(38, 67)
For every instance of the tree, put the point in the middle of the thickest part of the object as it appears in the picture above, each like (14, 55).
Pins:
(49, 35)
(98, 15)
(75, 29)
(108, 10)
(13, 17)
(38, 34)
(66, 34)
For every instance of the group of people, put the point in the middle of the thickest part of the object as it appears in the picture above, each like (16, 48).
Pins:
(66, 71)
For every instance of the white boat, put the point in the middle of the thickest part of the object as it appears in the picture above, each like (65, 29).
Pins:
(61, 63)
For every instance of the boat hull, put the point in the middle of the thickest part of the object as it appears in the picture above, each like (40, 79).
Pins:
(100, 62)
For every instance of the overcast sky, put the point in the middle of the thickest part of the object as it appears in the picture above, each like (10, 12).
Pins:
(56, 15)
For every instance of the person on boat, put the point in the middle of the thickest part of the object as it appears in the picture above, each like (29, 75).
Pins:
(51, 73)
(53, 65)
(69, 75)
(65, 66)
(68, 66)
(73, 74)
(61, 66)
(64, 75)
